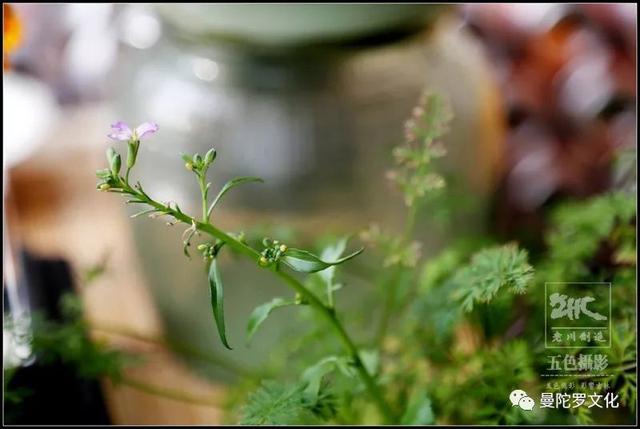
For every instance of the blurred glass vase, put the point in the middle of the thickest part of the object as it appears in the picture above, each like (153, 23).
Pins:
(309, 107)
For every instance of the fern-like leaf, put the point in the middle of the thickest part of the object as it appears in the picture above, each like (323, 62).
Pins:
(491, 270)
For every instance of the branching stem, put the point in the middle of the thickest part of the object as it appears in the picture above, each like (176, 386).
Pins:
(328, 313)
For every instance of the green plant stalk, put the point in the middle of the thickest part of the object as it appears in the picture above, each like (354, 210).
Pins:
(352, 349)
(328, 313)
(390, 287)
(203, 193)
(132, 154)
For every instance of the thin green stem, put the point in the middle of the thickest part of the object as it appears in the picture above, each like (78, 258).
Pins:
(132, 154)
(410, 222)
(390, 288)
(327, 312)
(348, 343)
(203, 193)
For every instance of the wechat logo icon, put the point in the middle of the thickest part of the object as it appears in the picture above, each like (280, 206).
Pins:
(521, 399)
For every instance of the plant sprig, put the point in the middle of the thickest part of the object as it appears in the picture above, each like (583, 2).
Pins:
(271, 257)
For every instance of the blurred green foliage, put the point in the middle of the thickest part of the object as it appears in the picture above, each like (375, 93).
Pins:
(453, 335)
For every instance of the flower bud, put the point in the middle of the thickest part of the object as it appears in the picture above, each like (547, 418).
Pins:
(116, 164)
(111, 152)
(189, 166)
(104, 186)
(132, 153)
(283, 248)
(210, 156)
(263, 261)
(201, 247)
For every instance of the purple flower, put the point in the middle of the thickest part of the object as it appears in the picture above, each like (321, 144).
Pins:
(122, 132)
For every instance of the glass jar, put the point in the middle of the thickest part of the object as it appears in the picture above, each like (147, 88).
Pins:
(317, 125)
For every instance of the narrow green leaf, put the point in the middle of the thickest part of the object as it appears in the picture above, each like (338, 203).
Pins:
(327, 276)
(313, 375)
(217, 298)
(186, 157)
(306, 262)
(332, 252)
(229, 185)
(419, 411)
(261, 313)
(370, 360)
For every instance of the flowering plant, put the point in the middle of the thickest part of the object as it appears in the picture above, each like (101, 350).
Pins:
(421, 367)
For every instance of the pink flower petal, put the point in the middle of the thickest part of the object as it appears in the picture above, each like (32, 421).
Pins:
(122, 132)
(146, 129)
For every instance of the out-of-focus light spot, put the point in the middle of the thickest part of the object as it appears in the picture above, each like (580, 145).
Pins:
(139, 28)
(88, 15)
(627, 12)
(173, 103)
(90, 54)
(579, 95)
(92, 46)
(534, 17)
(29, 112)
(205, 69)
(533, 177)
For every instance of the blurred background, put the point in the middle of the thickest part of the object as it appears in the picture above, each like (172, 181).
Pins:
(309, 97)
